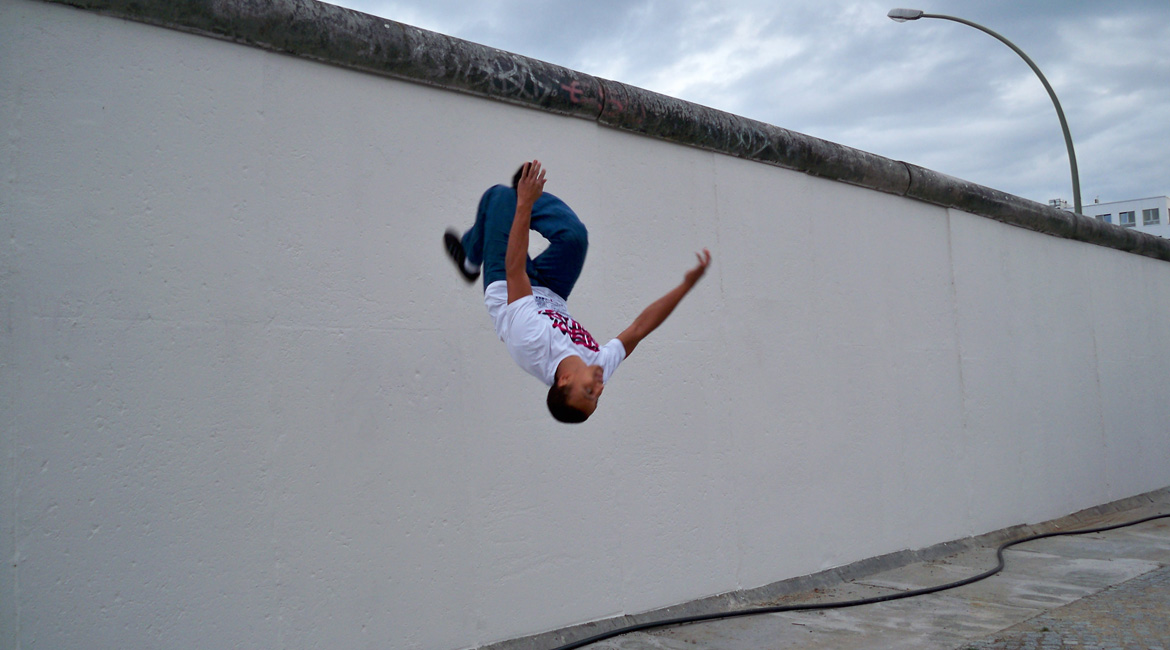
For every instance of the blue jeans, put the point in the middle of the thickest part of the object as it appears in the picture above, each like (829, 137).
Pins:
(557, 268)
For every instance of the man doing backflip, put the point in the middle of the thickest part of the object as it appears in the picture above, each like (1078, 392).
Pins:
(525, 298)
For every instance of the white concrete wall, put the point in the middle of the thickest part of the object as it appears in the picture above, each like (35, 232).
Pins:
(247, 403)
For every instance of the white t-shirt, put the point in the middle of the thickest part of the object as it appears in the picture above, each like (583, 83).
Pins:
(539, 333)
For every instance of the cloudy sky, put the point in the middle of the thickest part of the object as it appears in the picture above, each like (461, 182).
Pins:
(933, 92)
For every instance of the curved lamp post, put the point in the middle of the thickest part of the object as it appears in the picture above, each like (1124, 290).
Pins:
(902, 15)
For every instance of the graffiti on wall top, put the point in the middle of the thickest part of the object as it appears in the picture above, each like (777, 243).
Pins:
(352, 39)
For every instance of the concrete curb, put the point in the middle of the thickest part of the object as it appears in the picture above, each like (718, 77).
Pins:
(331, 34)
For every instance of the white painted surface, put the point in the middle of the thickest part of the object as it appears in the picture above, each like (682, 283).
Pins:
(247, 403)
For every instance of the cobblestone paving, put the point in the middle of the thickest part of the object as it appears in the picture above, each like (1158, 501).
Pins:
(1128, 616)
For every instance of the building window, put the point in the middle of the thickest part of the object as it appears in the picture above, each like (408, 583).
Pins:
(1126, 219)
(1107, 218)
(1151, 217)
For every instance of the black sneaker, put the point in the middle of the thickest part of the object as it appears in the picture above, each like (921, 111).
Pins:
(454, 246)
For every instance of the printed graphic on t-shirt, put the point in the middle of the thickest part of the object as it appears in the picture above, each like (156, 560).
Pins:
(572, 329)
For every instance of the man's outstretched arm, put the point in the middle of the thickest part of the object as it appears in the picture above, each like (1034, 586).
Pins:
(530, 187)
(656, 313)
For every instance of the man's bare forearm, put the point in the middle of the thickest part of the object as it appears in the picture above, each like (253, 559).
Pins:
(516, 259)
(660, 309)
(657, 312)
(528, 189)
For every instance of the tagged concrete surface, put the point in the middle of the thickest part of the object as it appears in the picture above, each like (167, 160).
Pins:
(1039, 578)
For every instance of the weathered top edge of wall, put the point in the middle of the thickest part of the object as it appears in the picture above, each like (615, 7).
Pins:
(348, 38)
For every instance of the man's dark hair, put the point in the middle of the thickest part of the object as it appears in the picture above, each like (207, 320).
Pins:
(517, 175)
(558, 397)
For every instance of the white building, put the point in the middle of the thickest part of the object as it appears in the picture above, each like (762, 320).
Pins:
(1150, 215)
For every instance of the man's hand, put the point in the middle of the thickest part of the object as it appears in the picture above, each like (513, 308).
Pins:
(692, 276)
(531, 184)
(656, 313)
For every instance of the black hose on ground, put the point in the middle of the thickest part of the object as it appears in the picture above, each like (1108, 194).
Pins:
(847, 603)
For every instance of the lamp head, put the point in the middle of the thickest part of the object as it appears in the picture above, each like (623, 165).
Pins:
(902, 15)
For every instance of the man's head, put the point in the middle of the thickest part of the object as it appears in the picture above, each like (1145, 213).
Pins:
(574, 393)
(517, 175)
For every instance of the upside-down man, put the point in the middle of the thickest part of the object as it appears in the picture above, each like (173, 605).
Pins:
(526, 298)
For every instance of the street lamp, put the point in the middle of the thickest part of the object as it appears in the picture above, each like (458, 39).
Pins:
(902, 15)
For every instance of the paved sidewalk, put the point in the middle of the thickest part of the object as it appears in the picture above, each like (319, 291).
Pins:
(1133, 614)
(1101, 591)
